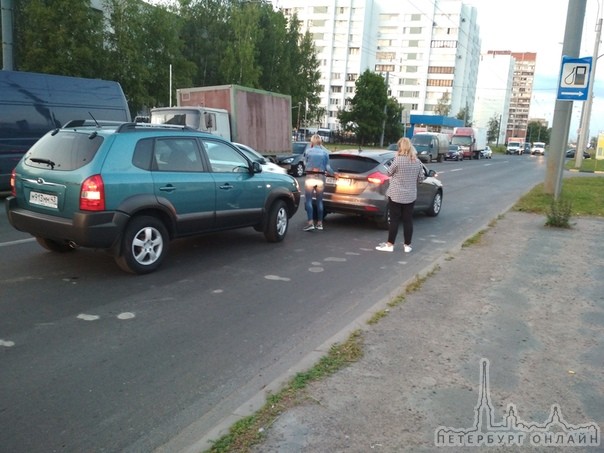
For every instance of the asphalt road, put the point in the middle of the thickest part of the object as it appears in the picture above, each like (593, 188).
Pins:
(94, 359)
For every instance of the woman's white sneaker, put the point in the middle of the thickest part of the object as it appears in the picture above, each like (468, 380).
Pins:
(384, 247)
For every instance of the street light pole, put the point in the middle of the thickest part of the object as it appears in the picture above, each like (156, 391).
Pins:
(586, 113)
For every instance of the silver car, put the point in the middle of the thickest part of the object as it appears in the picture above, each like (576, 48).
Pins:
(360, 181)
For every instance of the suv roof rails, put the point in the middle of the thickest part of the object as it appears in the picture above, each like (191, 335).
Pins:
(97, 123)
(130, 127)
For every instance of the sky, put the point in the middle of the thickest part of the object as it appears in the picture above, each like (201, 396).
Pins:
(539, 26)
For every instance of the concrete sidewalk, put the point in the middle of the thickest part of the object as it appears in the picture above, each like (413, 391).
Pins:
(509, 330)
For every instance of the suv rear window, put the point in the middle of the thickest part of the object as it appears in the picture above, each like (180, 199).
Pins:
(64, 151)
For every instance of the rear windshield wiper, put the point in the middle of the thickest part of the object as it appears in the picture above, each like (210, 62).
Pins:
(48, 162)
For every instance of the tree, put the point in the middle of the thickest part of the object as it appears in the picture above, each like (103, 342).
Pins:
(464, 115)
(537, 132)
(394, 128)
(239, 63)
(366, 114)
(443, 106)
(63, 37)
(493, 129)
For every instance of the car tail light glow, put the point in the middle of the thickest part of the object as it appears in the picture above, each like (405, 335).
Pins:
(13, 189)
(92, 194)
(377, 178)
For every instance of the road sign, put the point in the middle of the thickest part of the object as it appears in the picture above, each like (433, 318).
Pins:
(574, 79)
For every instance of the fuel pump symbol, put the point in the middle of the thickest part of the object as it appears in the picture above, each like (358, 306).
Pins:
(577, 76)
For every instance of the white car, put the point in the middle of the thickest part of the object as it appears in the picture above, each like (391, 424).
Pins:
(486, 153)
(254, 155)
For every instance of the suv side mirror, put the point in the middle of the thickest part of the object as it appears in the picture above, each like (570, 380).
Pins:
(256, 167)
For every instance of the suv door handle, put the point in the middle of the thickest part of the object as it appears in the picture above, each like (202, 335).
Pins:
(168, 188)
(226, 186)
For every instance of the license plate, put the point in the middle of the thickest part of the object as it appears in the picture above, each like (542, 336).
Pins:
(338, 181)
(43, 199)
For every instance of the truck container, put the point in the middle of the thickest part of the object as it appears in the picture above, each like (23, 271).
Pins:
(256, 118)
(431, 146)
(31, 104)
(472, 141)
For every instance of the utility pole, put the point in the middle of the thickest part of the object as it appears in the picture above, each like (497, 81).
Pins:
(385, 113)
(563, 109)
(586, 113)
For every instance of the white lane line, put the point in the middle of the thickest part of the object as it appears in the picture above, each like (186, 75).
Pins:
(20, 241)
(7, 343)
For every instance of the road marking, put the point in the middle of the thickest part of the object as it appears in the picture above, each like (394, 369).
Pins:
(277, 278)
(7, 344)
(85, 317)
(20, 241)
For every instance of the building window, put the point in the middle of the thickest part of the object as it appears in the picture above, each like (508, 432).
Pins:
(443, 44)
(408, 94)
(439, 83)
(320, 9)
(384, 43)
(350, 89)
(318, 36)
(386, 56)
(408, 82)
(413, 43)
(336, 89)
(441, 70)
(351, 77)
(412, 30)
(353, 51)
(334, 101)
(384, 68)
(335, 75)
(410, 68)
(316, 23)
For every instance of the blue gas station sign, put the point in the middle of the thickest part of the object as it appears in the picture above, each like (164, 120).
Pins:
(574, 79)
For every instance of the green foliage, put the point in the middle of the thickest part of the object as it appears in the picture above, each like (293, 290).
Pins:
(586, 194)
(60, 37)
(394, 128)
(493, 129)
(366, 115)
(536, 132)
(205, 42)
(559, 214)
(443, 107)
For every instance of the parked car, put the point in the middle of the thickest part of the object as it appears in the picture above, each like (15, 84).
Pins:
(454, 153)
(294, 163)
(571, 154)
(361, 179)
(255, 156)
(130, 188)
(487, 152)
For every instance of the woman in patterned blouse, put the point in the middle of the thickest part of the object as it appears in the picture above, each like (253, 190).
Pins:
(405, 173)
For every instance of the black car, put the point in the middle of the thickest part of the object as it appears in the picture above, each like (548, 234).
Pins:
(571, 154)
(454, 153)
(361, 179)
(294, 162)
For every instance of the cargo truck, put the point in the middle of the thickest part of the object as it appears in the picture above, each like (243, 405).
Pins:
(472, 141)
(515, 145)
(259, 119)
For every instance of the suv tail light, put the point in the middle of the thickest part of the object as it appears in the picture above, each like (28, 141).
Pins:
(92, 194)
(377, 178)
(13, 189)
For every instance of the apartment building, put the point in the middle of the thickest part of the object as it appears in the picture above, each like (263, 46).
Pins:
(428, 51)
(493, 92)
(522, 91)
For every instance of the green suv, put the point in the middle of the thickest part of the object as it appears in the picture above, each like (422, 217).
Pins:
(130, 188)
